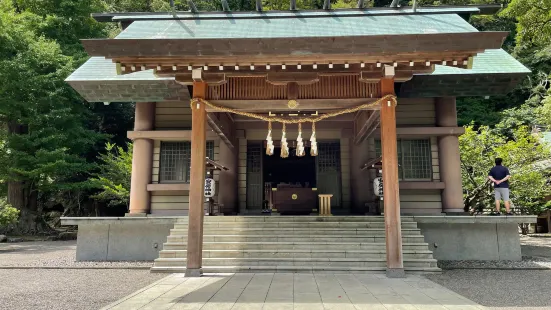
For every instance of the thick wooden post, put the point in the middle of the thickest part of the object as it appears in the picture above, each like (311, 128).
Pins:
(142, 160)
(196, 183)
(448, 154)
(391, 195)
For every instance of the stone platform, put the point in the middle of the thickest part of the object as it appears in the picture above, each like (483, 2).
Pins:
(448, 237)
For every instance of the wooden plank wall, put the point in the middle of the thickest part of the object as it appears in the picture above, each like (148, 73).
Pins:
(174, 202)
(416, 201)
(413, 112)
(173, 115)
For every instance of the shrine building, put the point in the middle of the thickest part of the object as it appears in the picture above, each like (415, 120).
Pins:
(328, 138)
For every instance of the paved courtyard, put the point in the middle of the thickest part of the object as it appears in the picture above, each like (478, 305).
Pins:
(281, 291)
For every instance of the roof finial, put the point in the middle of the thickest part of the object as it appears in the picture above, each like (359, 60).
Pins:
(327, 5)
(395, 3)
(360, 4)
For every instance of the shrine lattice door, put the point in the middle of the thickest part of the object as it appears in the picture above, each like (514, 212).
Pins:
(328, 168)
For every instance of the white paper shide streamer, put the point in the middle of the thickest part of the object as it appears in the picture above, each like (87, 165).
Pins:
(269, 141)
(300, 143)
(284, 145)
(313, 143)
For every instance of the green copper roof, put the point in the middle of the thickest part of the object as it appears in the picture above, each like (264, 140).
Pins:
(101, 69)
(296, 27)
(491, 61)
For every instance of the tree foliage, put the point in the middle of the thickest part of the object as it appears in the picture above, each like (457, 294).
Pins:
(523, 154)
(8, 214)
(113, 180)
(50, 130)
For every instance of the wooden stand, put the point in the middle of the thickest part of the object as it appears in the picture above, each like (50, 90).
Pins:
(325, 205)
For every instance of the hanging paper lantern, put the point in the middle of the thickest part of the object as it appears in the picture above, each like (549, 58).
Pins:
(284, 145)
(269, 141)
(313, 143)
(300, 143)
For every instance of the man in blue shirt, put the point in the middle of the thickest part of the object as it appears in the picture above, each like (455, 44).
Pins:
(499, 175)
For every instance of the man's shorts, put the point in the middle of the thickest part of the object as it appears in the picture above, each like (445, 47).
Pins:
(501, 193)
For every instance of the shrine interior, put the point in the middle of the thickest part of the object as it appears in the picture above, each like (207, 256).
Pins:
(293, 171)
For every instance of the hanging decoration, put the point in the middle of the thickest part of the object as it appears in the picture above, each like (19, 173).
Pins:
(310, 119)
(300, 144)
(269, 141)
(313, 142)
(314, 118)
(284, 145)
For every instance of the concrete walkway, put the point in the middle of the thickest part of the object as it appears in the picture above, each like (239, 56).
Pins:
(282, 291)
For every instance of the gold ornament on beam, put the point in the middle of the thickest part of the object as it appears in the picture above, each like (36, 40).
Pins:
(300, 143)
(292, 104)
(269, 141)
(313, 142)
(284, 145)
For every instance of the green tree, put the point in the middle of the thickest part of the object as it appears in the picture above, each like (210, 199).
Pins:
(113, 180)
(525, 157)
(46, 139)
(8, 214)
(534, 22)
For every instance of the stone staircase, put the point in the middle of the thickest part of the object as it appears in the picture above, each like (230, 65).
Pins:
(295, 244)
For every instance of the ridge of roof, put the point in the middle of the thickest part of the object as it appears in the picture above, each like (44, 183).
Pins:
(379, 11)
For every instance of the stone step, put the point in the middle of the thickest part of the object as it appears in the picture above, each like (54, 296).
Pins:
(296, 269)
(294, 254)
(419, 246)
(296, 231)
(210, 225)
(328, 262)
(291, 238)
(315, 218)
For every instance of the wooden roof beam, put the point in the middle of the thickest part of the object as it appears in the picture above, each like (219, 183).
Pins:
(366, 127)
(273, 105)
(223, 127)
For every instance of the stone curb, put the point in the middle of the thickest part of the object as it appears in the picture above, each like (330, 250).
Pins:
(496, 268)
(76, 268)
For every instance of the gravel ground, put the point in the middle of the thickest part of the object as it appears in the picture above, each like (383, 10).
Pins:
(536, 254)
(52, 254)
(500, 289)
(37, 289)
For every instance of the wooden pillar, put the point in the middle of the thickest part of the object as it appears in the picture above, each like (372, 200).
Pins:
(391, 195)
(448, 154)
(142, 160)
(196, 183)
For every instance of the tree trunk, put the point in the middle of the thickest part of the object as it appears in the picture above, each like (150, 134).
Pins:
(20, 195)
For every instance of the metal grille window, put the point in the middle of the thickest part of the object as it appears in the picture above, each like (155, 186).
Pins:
(414, 159)
(175, 161)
